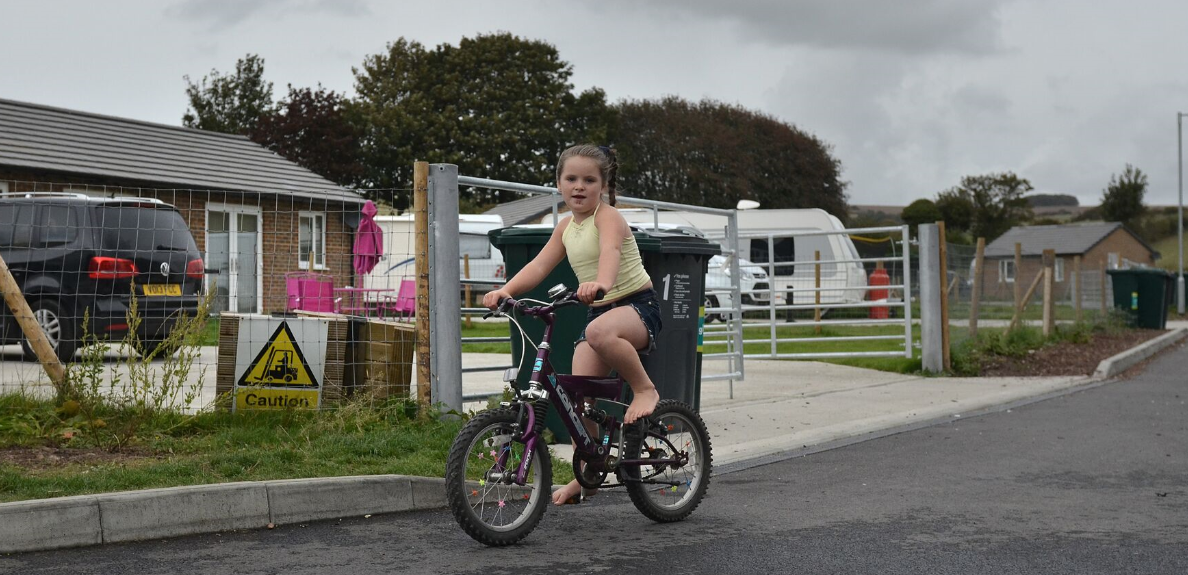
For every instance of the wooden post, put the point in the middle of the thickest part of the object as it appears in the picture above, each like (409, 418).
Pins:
(1077, 286)
(421, 233)
(466, 275)
(1018, 276)
(1049, 300)
(944, 274)
(310, 264)
(976, 294)
(1026, 298)
(1103, 287)
(817, 294)
(23, 315)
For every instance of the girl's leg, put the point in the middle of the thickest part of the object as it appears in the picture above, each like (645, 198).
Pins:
(585, 362)
(616, 336)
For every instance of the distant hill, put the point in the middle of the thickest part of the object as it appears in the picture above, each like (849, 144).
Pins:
(1052, 200)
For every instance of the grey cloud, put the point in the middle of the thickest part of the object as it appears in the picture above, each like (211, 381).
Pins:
(909, 27)
(221, 14)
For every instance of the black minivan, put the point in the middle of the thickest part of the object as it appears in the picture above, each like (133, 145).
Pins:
(73, 253)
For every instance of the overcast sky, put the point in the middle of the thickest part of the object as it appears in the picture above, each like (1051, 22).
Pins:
(912, 95)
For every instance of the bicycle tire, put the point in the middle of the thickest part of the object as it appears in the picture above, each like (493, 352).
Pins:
(665, 503)
(469, 499)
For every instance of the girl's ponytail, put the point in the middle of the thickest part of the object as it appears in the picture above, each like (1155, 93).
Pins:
(612, 177)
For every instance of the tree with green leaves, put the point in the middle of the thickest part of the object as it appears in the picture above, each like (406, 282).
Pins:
(715, 154)
(921, 211)
(497, 105)
(994, 203)
(231, 103)
(311, 128)
(1122, 200)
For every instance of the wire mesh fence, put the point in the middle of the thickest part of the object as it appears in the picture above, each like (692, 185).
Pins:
(179, 295)
(1007, 288)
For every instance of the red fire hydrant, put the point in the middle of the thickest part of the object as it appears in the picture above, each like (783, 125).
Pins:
(879, 277)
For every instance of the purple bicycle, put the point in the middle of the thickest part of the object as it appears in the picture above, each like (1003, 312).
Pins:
(499, 474)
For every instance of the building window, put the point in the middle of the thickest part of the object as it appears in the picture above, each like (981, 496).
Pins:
(3, 187)
(1006, 271)
(311, 238)
(1059, 269)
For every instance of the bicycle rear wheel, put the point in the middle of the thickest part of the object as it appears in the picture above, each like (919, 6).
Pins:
(486, 503)
(665, 492)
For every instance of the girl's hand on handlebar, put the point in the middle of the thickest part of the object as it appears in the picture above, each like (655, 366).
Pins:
(492, 299)
(588, 292)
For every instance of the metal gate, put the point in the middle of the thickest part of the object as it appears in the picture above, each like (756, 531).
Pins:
(805, 292)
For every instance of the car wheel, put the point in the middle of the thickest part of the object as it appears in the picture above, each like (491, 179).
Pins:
(59, 330)
(711, 301)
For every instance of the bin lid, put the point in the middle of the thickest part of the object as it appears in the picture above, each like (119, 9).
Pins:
(674, 243)
(648, 241)
(1142, 270)
(536, 235)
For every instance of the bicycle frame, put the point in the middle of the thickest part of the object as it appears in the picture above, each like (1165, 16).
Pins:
(567, 394)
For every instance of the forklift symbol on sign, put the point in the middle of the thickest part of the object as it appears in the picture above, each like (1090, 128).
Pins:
(280, 362)
(282, 367)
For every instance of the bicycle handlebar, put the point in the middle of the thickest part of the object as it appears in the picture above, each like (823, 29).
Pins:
(507, 304)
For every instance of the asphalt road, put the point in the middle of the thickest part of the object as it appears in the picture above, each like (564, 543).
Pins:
(1091, 482)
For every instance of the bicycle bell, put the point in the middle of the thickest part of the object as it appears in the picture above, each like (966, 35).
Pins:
(557, 291)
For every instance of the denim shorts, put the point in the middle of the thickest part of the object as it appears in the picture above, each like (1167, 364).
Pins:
(644, 303)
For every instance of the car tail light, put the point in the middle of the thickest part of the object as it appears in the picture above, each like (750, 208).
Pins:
(195, 269)
(105, 268)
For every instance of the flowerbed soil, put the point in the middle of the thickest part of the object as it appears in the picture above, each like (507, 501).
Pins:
(1068, 358)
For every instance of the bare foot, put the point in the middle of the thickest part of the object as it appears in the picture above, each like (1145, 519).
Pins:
(564, 494)
(641, 406)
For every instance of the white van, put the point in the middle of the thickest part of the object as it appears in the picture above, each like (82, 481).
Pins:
(793, 272)
(398, 263)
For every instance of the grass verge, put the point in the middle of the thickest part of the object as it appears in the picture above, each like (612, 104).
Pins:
(172, 449)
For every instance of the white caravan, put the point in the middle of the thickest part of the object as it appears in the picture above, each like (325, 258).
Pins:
(398, 262)
(793, 254)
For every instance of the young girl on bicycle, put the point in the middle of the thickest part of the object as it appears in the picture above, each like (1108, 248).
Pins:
(602, 252)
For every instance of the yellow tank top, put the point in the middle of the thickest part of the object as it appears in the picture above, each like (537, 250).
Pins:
(581, 248)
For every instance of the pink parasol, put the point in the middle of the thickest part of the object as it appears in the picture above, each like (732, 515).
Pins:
(369, 241)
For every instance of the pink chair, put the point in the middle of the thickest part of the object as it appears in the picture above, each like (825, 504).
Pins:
(309, 291)
(405, 304)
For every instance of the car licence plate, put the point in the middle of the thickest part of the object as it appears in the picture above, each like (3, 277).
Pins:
(162, 289)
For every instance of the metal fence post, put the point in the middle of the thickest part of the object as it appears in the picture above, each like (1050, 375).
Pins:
(736, 294)
(905, 234)
(445, 357)
(932, 354)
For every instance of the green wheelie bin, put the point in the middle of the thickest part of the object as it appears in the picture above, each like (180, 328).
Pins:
(1143, 293)
(677, 265)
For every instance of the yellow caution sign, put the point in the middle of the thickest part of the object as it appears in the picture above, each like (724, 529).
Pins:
(279, 363)
(261, 398)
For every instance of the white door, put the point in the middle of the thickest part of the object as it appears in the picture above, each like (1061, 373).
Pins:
(233, 240)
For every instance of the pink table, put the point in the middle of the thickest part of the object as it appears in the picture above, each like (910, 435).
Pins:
(360, 301)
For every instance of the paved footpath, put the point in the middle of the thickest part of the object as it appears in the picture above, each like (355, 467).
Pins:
(782, 410)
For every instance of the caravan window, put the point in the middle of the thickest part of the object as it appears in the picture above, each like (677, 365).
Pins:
(785, 251)
(477, 246)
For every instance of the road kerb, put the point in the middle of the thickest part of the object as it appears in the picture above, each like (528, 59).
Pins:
(1112, 366)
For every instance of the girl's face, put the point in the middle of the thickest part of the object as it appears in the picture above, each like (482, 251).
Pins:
(581, 184)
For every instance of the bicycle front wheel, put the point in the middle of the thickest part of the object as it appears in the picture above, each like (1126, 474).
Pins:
(482, 463)
(666, 491)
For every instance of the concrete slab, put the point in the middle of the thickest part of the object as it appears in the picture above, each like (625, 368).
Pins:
(157, 513)
(50, 524)
(297, 500)
(428, 492)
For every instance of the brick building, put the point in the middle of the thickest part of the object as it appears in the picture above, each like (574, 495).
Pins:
(255, 215)
(1097, 243)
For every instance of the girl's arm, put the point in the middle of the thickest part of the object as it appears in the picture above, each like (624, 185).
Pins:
(535, 271)
(612, 230)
